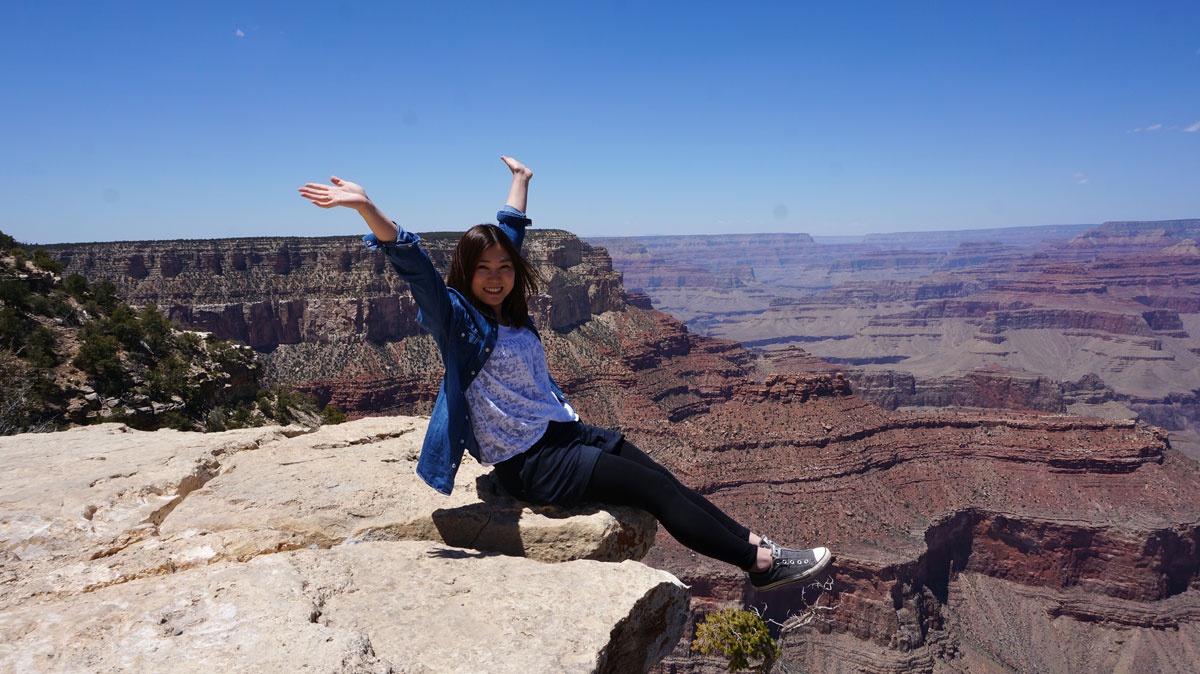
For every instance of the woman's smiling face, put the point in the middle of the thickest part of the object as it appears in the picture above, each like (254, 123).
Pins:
(493, 278)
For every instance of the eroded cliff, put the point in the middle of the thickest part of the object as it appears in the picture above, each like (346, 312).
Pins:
(1098, 320)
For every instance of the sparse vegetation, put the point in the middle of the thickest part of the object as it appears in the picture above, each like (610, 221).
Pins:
(740, 635)
(332, 415)
(72, 352)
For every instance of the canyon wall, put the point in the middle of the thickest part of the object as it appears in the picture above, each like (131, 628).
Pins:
(1108, 315)
(270, 292)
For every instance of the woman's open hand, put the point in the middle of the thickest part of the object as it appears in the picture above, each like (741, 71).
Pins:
(340, 193)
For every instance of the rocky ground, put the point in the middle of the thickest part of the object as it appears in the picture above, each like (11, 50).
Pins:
(280, 550)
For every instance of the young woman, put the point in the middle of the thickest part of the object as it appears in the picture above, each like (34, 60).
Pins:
(499, 403)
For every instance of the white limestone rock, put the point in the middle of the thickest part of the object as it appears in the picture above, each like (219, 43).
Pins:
(276, 549)
(95, 488)
(358, 481)
(367, 608)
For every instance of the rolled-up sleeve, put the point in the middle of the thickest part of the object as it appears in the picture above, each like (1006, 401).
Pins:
(403, 238)
(513, 221)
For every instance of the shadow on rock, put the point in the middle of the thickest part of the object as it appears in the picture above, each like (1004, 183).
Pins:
(500, 523)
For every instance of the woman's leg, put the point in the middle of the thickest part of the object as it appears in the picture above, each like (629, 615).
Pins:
(627, 450)
(621, 481)
(518, 192)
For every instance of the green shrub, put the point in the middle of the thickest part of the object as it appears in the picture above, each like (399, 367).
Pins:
(123, 324)
(104, 294)
(169, 377)
(216, 420)
(17, 403)
(57, 306)
(41, 305)
(242, 417)
(287, 403)
(15, 292)
(13, 328)
(739, 635)
(174, 419)
(42, 259)
(75, 285)
(332, 415)
(263, 400)
(190, 342)
(39, 349)
(100, 357)
(157, 331)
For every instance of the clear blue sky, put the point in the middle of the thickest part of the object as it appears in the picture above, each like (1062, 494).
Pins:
(126, 120)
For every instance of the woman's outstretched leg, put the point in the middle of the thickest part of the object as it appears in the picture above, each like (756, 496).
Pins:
(630, 477)
(518, 192)
(620, 481)
(627, 450)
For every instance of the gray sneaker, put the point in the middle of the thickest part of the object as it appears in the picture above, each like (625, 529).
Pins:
(789, 566)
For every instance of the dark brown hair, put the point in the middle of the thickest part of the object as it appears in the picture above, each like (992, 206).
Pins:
(466, 257)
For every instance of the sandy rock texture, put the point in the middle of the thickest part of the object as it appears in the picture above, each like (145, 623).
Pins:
(280, 549)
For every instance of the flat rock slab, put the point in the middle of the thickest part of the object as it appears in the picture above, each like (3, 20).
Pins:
(366, 608)
(89, 489)
(97, 506)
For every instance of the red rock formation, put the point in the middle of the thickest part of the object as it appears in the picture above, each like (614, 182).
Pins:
(997, 322)
(987, 387)
(920, 506)
(1116, 303)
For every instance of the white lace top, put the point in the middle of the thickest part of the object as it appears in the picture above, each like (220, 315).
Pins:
(511, 400)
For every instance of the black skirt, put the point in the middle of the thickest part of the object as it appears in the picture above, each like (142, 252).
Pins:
(557, 468)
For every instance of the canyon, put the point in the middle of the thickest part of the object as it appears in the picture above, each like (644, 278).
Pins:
(1059, 536)
(1092, 320)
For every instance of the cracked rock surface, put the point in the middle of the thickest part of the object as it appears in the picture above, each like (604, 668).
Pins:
(277, 549)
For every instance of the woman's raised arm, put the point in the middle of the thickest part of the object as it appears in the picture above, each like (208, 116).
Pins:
(351, 195)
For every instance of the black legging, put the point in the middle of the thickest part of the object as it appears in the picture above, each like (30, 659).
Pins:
(630, 477)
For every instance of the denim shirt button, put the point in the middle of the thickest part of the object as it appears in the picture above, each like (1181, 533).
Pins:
(472, 372)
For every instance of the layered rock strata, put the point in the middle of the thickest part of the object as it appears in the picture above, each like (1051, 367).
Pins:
(273, 292)
(1086, 528)
(935, 319)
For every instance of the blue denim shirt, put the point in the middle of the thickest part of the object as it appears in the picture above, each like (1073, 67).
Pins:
(464, 335)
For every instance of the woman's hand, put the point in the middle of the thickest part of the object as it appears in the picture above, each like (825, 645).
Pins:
(351, 195)
(340, 193)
